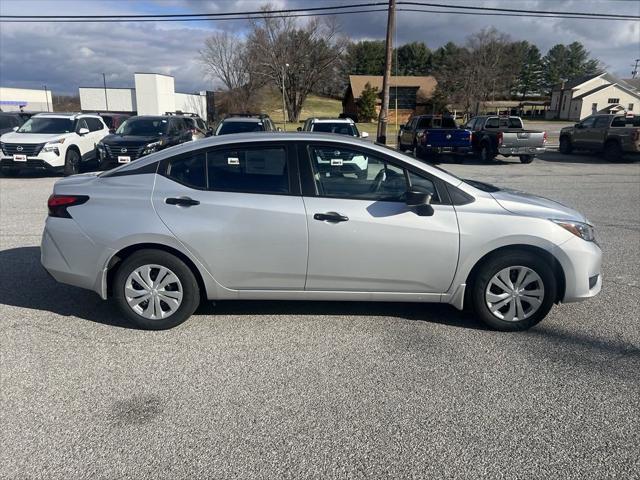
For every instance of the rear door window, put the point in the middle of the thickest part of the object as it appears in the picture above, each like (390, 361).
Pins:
(601, 122)
(249, 170)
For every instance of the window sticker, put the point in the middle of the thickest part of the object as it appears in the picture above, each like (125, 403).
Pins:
(233, 161)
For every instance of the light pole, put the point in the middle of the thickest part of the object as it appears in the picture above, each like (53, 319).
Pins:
(46, 97)
(284, 107)
(104, 83)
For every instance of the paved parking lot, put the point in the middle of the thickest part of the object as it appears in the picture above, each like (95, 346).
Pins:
(325, 390)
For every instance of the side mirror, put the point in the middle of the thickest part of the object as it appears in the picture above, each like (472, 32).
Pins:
(578, 125)
(401, 126)
(209, 132)
(112, 131)
(83, 131)
(299, 129)
(420, 201)
(364, 134)
(15, 129)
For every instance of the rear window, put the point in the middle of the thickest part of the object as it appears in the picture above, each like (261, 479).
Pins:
(437, 122)
(339, 128)
(239, 127)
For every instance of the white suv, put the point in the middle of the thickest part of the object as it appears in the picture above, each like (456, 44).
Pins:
(52, 141)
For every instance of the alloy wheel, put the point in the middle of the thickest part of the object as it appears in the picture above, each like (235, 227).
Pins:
(153, 292)
(514, 293)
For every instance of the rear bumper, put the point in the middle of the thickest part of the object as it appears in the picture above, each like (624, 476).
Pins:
(70, 256)
(521, 150)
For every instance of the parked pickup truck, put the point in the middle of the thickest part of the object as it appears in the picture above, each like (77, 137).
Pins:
(613, 135)
(493, 135)
(433, 134)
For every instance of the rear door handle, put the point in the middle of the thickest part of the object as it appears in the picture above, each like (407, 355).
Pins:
(332, 217)
(182, 201)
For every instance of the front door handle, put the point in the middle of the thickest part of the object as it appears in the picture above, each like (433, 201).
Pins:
(332, 217)
(182, 201)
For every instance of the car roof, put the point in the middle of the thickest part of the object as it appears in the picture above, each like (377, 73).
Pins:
(275, 137)
(70, 116)
(331, 120)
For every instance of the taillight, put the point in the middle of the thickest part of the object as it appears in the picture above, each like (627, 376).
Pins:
(500, 138)
(58, 204)
(544, 137)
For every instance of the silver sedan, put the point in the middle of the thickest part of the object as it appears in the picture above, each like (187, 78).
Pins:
(286, 217)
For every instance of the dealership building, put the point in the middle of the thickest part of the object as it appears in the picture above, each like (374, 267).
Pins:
(153, 94)
(15, 99)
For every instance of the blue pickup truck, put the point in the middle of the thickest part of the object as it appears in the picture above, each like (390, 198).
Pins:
(429, 135)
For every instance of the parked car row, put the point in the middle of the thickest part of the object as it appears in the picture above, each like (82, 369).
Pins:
(611, 135)
(483, 136)
(65, 141)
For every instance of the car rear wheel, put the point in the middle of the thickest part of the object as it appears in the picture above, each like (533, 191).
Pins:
(613, 152)
(486, 155)
(513, 291)
(155, 290)
(526, 158)
(71, 162)
(565, 146)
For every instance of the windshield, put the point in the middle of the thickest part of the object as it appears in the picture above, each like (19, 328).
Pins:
(143, 127)
(340, 128)
(47, 125)
(239, 127)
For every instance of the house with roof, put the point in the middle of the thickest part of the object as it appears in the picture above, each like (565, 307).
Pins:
(408, 95)
(579, 97)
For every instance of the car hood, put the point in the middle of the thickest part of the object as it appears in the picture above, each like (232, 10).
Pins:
(28, 138)
(130, 139)
(523, 203)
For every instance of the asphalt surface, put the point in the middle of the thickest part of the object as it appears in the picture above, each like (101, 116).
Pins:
(261, 390)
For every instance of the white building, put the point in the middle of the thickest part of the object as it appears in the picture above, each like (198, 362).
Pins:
(154, 94)
(13, 99)
(580, 97)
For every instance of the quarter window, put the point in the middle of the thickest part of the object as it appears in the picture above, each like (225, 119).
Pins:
(250, 170)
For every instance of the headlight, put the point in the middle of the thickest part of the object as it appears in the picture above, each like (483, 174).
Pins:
(152, 147)
(579, 229)
(53, 145)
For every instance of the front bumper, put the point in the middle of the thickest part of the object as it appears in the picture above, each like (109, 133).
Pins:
(43, 161)
(582, 265)
(521, 150)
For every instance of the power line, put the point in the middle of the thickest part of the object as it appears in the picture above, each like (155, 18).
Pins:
(303, 12)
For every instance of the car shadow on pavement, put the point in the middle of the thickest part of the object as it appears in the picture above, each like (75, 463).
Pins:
(582, 157)
(24, 283)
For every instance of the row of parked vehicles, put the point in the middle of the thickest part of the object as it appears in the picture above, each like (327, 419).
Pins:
(64, 141)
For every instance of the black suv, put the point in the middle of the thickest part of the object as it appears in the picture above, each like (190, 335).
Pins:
(139, 136)
(9, 121)
(244, 123)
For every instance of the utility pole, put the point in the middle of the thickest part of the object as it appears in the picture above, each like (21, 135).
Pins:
(384, 109)
(46, 97)
(284, 106)
(104, 82)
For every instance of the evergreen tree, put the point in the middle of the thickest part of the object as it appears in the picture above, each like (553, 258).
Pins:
(529, 79)
(413, 59)
(367, 103)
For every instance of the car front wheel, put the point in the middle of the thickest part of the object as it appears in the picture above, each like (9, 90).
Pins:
(155, 290)
(513, 291)
(71, 162)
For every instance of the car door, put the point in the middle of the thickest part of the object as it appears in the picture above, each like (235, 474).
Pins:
(238, 210)
(598, 132)
(582, 134)
(362, 235)
(406, 137)
(85, 141)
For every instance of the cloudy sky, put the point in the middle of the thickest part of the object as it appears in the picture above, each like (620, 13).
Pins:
(65, 56)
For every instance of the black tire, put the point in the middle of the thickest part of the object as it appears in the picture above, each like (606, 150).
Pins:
(565, 146)
(486, 154)
(71, 162)
(495, 264)
(190, 288)
(9, 171)
(526, 158)
(613, 152)
(400, 147)
(417, 152)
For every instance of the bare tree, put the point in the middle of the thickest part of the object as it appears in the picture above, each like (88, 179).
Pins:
(225, 57)
(296, 57)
